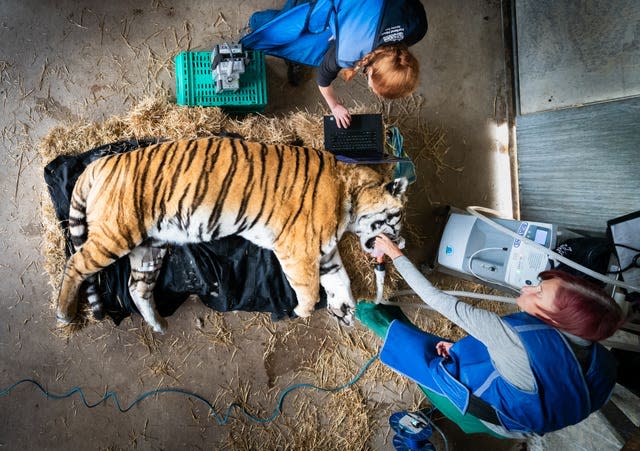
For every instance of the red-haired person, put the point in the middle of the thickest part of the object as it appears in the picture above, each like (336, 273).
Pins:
(532, 372)
(348, 36)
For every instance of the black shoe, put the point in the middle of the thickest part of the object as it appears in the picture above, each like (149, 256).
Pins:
(295, 73)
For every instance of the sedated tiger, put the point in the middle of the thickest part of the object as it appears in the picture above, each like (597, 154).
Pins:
(296, 201)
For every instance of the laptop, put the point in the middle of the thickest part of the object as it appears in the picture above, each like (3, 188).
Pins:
(624, 236)
(362, 142)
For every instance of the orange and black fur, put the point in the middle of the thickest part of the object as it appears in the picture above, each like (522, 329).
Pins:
(296, 201)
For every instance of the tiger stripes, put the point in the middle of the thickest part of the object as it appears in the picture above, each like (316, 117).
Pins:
(294, 200)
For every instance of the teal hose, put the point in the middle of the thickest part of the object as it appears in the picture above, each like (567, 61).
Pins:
(220, 419)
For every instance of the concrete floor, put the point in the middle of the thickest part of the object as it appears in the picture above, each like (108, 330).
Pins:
(80, 61)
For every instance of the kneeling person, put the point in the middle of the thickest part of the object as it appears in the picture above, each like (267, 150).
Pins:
(532, 372)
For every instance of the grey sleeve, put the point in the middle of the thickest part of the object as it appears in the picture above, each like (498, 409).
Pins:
(504, 345)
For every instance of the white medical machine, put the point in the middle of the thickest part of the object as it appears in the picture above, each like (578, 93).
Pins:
(474, 248)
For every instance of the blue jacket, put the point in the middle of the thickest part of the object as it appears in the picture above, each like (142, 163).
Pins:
(301, 31)
(563, 395)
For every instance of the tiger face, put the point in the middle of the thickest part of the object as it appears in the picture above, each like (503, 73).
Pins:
(380, 210)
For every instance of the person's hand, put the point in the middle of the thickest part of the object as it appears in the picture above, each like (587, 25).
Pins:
(442, 348)
(384, 245)
(340, 113)
(343, 118)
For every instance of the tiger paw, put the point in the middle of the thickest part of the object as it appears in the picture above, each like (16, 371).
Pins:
(344, 314)
(160, 326)
(302, 312)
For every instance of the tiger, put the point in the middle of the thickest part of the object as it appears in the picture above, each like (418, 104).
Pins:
(296, 201)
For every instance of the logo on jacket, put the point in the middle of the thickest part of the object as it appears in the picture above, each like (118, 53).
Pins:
(392, 34)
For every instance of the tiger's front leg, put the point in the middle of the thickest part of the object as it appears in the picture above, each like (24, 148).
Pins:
(146, 263)
(336, 284)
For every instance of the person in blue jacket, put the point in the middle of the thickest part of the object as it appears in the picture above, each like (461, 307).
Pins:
(348, 36)
(527, 373)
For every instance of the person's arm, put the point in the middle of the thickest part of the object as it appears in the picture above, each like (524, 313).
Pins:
(343, 118)
(478, 322)
(504, 345)
(327, 72)
(475, 321)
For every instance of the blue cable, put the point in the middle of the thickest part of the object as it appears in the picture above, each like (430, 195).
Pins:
(220, 420)
(404, 168)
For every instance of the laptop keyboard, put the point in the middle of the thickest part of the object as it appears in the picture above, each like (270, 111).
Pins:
(363, 140)
(350, 141)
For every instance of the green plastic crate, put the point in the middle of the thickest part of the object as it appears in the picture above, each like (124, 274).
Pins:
(195, 86)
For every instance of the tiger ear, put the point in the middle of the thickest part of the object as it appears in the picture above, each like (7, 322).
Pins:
(397, 187)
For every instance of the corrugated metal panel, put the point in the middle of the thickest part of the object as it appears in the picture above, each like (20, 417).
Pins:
(580, 167)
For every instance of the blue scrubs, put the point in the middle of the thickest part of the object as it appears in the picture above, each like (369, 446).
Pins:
(300, 32)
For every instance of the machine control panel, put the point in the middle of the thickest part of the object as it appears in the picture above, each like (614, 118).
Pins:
(526, 261)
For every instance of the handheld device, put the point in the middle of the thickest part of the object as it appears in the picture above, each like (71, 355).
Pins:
(228, 62)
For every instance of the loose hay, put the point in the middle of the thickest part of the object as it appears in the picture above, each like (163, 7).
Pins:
(214, 329)
(347, 420)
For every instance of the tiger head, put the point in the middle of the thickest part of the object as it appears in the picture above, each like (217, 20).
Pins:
(379, 209)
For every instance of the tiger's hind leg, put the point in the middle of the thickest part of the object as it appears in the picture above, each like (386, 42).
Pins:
(146, 263)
